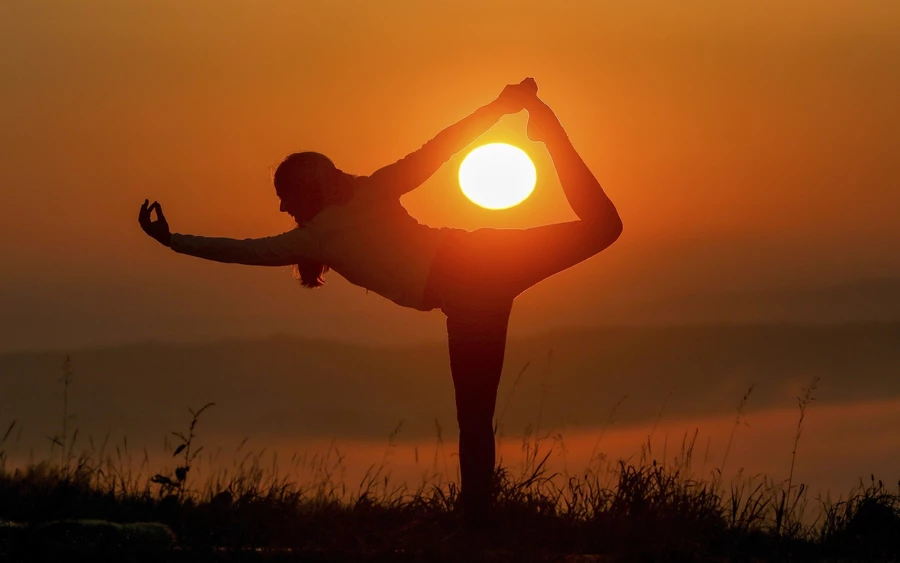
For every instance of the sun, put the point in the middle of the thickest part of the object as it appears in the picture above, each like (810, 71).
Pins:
(497, 176)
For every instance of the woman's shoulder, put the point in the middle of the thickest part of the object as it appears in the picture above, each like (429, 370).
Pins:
(364, 189)
(341, 216)
(369, 198)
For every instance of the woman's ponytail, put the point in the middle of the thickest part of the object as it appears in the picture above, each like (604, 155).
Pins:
(310, 273)
(314, 182)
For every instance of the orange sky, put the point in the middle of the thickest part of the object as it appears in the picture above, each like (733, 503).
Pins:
(747, 145)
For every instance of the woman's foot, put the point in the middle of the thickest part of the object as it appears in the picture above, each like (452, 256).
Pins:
(542, 122)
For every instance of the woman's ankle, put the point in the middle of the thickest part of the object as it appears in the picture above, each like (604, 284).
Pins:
(543, 124)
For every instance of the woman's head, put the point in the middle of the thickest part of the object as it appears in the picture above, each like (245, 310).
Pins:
(307, 182)
(303, 181)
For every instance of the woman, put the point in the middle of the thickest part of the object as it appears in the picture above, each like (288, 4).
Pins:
(356, 226)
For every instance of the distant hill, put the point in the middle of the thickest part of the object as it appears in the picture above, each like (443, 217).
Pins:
(94, 315)
(862, 301)
(281, 388)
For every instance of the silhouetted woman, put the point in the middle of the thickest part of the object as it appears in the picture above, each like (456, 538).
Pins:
(356, 226)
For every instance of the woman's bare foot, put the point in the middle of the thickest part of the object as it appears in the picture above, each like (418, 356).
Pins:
(542, 122)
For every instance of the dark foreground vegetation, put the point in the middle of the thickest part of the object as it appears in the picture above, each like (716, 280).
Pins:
(96, 504)
(649, 513)
(631, 512)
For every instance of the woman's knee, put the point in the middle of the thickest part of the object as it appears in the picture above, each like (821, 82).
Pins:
(604, 231)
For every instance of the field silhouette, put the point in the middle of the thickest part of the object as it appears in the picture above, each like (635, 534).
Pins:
(630, 509)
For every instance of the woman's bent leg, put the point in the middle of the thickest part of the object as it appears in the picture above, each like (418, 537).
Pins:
(583, 191)
(512, 260)
(509, 261)
(477, 341)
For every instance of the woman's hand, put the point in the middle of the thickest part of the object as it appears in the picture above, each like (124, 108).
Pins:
(515, 97)
(158, 229)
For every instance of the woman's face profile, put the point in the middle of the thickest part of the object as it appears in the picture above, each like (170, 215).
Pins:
(288, 204)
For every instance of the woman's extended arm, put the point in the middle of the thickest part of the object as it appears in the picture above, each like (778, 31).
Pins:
(411, 171)
(279, 250)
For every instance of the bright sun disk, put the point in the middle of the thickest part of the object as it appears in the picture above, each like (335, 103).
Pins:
(497, 176)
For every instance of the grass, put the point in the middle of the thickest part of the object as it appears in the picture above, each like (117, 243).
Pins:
(640, 510)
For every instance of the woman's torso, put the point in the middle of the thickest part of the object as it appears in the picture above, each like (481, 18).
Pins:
(374, 243)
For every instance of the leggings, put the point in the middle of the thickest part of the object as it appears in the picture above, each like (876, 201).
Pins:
(474, 279)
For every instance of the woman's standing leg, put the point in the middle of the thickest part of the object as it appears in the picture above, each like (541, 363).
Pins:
(476, 276)
(477, 342)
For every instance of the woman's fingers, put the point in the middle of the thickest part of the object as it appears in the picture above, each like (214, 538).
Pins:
(521, 94)
(144, 214)
(530, 85)
(158, 229)
(513, 97)
(159, 211)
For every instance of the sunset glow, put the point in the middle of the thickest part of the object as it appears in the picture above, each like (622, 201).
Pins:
(497, 176)
(470, 280)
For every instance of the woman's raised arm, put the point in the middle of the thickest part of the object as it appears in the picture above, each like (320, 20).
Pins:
(411, 171)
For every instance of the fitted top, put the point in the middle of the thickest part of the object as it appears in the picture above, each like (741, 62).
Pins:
(372, 240)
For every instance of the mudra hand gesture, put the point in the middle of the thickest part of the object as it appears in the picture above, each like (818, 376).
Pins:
(158, 229)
